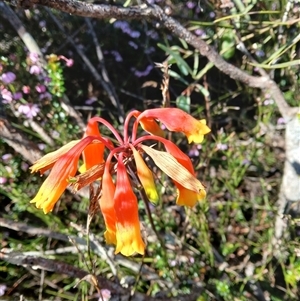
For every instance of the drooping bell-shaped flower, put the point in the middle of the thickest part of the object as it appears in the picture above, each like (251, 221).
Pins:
(46, 162)
(128, 232)
(145, 176)
(106, 204)
(177, 120)
(185, 196)
(63, 169)
(178, 167)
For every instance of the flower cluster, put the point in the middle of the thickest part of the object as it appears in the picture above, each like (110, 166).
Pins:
(42, 86)
(117, 201)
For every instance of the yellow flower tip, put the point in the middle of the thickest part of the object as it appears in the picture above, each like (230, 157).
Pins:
(198, 132)
(146, 177)
(64, 162)
(195, 138)
(46, 205)
(152, 195)
(47, 161)
(129, 242)
(186, 197)
(128, 232)
(202, 195)
(110, 237)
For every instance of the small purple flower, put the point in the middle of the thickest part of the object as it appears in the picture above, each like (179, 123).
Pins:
(26, 89)
(105, 295)
(173, 263)
(190, 4)
(41, 146)
(34, 69)
(281, 120)
(40, 88)
(55, 134)
(268, 102)
(222, 146)
(192, 259)
(6, 95)
(29, 110)
(133, 45)
(260, 53)
(134, 34)
(123, 25)
(200, 32)
(8, 77)
(69, 62)
(212, 15)
(47, 79)
(117, 56)
(24, 166)
(34, 57)
(42, 23)
(3, 180)
(152, 34)
(143, 73)
(45, 95)
(17, 95)
(6, 157)
(3, 288)
(149, 50)
(194, 151)
(91, 100)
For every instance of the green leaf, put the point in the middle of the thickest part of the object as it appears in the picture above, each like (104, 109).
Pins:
(183, 102)
(181, 63)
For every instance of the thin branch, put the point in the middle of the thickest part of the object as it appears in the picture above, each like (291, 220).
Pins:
(154, 12)
(95, 246)
(19, 258)
(19, 142)
(42, 133)
(108, 85)
(17, 24)
(104, 82)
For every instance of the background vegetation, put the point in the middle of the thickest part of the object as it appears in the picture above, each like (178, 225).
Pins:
(221, 249)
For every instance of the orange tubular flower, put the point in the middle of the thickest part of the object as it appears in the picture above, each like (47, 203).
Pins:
(145, 176)
(93, 153)
(106, 204)
(184, 196)
(129, 240)
(177, 120)
(48, 161)
(56, 183)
